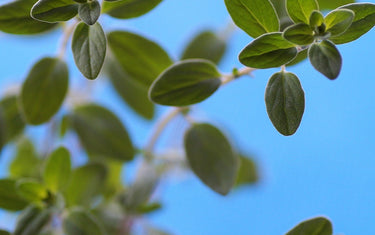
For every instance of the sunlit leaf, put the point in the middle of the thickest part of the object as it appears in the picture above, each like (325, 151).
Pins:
(300, 10)
(211, 157)
(325, 58)
(255, 17)
(31, 190)
(338, 21)
(89, 48)
(332, 4)
(285, 102)
(129, 8)
(185, 83)
(316, 226)
(44, 90)
(57, 170)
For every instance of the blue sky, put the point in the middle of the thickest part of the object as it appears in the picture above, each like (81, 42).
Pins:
(326, 168)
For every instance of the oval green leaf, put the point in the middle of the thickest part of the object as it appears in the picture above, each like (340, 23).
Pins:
(12, 123)
(9, 198)
(285, 102)
(211, 157)
(338, 21)
(57, 170)
(86, 182)
(268, 51)
(325, 58)
(44, 90)
(32, 220)
(300, 34)
(255, 17)
(316, 226)
(141, 58)
(31, 190)
(101, 133)
(89, 49)
(300, 10)
(364, 20)
(132, 93)
(15, 19)
(130, 8)
(89, 12)
(185, 83)
(52, 11)
(206, 45)
(82, 222)
(316, 20)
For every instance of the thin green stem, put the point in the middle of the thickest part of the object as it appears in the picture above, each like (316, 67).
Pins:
(226, 78)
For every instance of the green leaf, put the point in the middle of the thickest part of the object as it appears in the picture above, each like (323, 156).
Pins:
(316, 20)
(89, 48)
(44, 90)
(247, 173)
(12, 123)
(301, 56)
(4, 232)
(325, 58)
(86, 182)
(54, 10)
(101, 133)
(338, 21)
(113, 184)
(32, 220)
(332, 4)
(300, 34)
(9, 198)
(133, 93)
(31, 190)
(280, 7)
(15, 18)
(285, 102)
(211, 157)
(267, 51)
(141, 58)
(255, 17)
(185, 83)
(316, 226)
(57, 170)
(89, 12)
(364, 20)
(205, 45)
(81, 222)
(26, 162)
(300, 10)
(129, 8)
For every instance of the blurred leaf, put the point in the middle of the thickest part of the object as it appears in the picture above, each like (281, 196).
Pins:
(255, 17)
(3, 232)
(129, 8)
(211, 157)
(141, 58)
(148, 208)
(316, 226)
(52, 11)
(205, 45)
(285, 102)
(26, 162)
(300, 34)
(15, 18)
(332, 4)
(101, 133)
(364, 20)
(9, 198)
(85, 183)
(338, 21)
(113, 182)
(81, 222)
(267, 51)
(44, 90)
(64, 125)
(325, 58)
(57, 170)
(89, 12)
(89, 48)
(247, 173)
(31, 190)
(32, 220)
(185, 83)
(133, 93)
(300, 10)
(12, 123)
(140, 191)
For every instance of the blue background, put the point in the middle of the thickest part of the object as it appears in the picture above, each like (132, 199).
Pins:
(326, 168)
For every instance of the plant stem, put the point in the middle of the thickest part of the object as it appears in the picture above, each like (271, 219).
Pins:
(226, 78)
